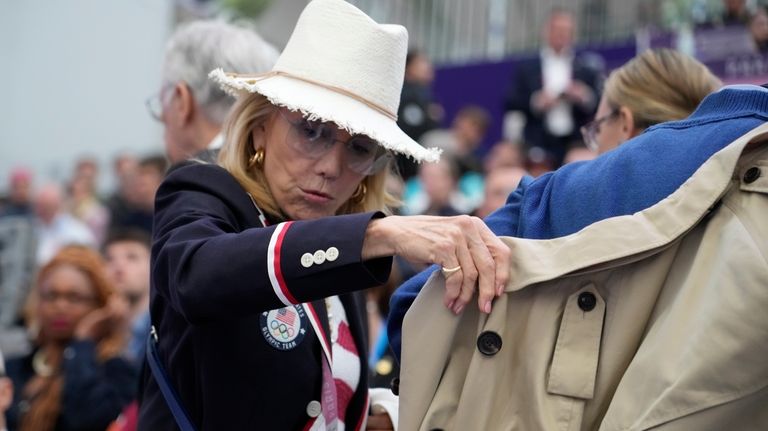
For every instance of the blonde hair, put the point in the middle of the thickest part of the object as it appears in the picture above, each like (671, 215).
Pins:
(659, 85)
(250, 112)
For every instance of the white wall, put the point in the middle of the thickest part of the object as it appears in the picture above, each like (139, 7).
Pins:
(74, 75)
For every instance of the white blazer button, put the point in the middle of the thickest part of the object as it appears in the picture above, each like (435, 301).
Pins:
(314, 409)
(307, 260)
(319, 257)
(331, 254)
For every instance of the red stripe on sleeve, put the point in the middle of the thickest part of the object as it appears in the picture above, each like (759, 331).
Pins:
(278, 270)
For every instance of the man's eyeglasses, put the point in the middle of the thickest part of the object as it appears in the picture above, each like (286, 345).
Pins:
(590, 130)
(156, 103)
(314, 139)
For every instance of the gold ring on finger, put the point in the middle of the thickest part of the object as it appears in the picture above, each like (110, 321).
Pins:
(448, 271)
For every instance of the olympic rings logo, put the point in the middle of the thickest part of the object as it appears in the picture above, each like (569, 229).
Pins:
(282, 330)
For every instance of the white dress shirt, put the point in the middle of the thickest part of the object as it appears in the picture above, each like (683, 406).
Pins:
(557, 73)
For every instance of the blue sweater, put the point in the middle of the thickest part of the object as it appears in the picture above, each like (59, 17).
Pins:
(628, 179)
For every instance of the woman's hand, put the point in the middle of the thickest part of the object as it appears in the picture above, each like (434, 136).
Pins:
(450, 242)
(103, 321)
(379, 422)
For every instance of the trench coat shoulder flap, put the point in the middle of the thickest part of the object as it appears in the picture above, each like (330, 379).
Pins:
(630, 323)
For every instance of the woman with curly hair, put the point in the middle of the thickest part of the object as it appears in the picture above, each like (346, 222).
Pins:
(73, 379)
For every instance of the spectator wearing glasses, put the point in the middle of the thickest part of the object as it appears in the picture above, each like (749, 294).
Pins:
(191, 108)
(657, 86)
(74, 379)
(258, 263)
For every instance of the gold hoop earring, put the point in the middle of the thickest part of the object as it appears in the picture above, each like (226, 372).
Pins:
(360, 192)
(257, 159)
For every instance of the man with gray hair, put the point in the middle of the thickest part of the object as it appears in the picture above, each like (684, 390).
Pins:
(191, 107)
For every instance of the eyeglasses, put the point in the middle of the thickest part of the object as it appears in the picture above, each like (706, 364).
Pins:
(590, 130)
(314, 139)
(156, 103)
(50, 297)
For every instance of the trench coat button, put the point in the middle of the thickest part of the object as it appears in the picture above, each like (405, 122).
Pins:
(587, 301)
(319, 257)
(314, 409)
(332, 254)
(751, 175)
(307, 260)
(395, 386)
(489, 343)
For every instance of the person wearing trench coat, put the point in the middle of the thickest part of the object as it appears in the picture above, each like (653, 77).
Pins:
(654, 320)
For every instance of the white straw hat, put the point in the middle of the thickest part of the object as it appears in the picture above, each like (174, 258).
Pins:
(340, 66)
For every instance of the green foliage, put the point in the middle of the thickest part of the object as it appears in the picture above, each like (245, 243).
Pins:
(245, 8)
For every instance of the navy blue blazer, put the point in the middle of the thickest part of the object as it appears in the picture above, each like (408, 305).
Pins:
(218, 278)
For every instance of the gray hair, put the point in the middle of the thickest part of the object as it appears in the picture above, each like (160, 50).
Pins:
(198, 47)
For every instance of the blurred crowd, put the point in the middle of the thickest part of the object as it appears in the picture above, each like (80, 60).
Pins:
(74, 273)
(75, 292)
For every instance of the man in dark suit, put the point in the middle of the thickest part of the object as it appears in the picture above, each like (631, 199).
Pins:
(557, 91)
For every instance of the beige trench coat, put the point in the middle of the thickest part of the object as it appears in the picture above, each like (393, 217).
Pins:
(657, 320)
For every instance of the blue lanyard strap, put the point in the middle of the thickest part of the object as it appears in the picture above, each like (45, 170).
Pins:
(164, 382)
(379, 349)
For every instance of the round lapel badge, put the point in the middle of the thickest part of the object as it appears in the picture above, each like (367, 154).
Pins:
(284, 328)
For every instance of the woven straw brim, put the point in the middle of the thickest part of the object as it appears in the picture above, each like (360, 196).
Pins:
(319, 103)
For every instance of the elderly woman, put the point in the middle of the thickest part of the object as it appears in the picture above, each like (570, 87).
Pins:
(257, 261)
(74, 379)
(656, 86)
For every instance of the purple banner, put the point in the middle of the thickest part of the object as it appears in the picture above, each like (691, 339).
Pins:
(729, 52)
(717, 44)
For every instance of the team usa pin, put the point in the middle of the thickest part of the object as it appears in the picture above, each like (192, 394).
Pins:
(284, 328)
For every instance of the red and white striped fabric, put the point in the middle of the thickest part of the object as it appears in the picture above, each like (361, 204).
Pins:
(346, 358)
